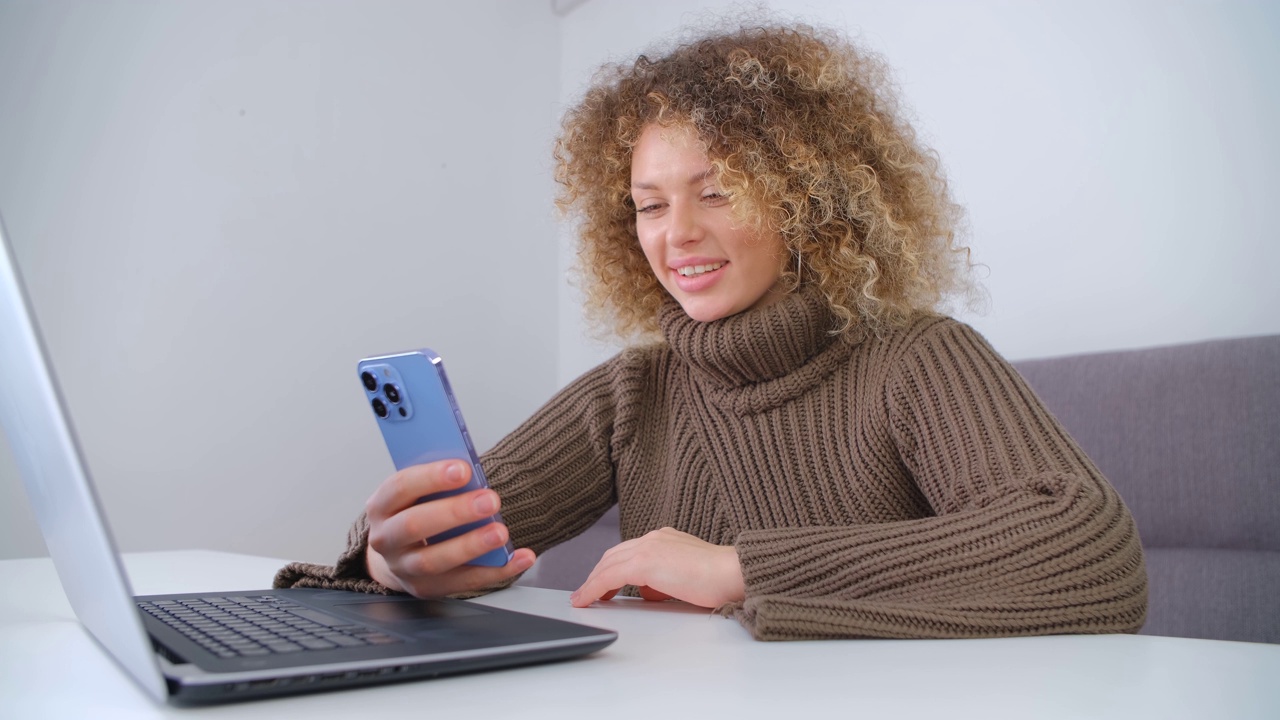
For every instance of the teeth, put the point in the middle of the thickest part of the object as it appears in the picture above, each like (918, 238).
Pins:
(692, 270)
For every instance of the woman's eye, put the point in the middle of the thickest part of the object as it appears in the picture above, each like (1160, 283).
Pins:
(648, 209)
(715, 197)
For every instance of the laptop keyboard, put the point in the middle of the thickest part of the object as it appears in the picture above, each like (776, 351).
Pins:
(241, 626)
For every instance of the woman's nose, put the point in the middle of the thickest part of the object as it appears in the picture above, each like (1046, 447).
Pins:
(685, 227)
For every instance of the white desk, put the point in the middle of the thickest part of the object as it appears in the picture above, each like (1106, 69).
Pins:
(670, 661)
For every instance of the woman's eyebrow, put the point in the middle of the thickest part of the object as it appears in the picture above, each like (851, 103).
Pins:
(693, 180)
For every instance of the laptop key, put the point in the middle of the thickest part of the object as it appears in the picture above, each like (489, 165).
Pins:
(316, 644)
(284, 647)
(344, 641)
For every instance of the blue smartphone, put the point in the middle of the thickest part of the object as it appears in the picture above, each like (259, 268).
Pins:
(420, 421)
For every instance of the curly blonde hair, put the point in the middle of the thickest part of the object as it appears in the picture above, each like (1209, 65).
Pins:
(808, 141)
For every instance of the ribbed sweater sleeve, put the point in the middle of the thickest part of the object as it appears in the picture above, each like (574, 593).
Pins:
(347, 573)
(1027, 538)
(554, 474)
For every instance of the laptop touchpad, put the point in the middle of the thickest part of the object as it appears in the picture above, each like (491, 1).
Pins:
(400, 611)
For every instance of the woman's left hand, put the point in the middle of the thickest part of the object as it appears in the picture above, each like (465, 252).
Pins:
(666, 564)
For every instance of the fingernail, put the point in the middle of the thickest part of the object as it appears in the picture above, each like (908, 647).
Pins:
(524, 564)
(485, 503)
(573, 597)
(454, 472)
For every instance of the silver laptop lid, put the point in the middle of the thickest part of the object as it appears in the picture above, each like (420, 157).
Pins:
(59, 487)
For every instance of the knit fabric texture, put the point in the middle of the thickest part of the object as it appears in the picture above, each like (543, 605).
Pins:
(901, 485)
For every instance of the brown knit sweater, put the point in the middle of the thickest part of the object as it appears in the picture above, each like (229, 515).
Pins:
(908, 486)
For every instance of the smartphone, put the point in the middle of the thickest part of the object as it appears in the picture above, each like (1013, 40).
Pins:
(420, 421)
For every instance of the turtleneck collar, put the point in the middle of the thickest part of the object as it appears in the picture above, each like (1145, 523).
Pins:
(755, 346)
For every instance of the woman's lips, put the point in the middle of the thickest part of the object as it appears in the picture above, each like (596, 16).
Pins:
(696, 283)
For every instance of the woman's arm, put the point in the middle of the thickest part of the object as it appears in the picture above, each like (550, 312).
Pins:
(1028, 537)
(554, 475)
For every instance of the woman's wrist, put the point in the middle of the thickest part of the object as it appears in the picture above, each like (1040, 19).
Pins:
(735, 586)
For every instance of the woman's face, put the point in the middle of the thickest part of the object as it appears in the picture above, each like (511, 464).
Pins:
(713, 267)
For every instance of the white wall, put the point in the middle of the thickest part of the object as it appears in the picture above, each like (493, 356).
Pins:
(220, 207)
(1118, 160)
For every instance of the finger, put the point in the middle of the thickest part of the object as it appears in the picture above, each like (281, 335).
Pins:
(406, 486)
(469, 578)
(584, 596)
(442, 557)
(652, 595)
(617, 567)
(608, 576)
(425, 520)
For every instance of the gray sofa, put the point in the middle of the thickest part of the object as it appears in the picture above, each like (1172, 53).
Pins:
(1190, 437)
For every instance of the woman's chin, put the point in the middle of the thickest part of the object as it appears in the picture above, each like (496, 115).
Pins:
(704, 308)
(703, 311)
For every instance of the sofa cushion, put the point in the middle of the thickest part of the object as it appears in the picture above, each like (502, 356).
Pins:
(1216, 594)
(1188, 435)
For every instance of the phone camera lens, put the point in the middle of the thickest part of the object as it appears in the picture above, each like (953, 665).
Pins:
(393, 394)
(379, 407)
(370, 382)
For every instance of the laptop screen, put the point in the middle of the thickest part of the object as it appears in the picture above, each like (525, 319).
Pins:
(60, 490)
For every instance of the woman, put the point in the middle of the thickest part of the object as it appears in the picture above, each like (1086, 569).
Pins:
(810, 446)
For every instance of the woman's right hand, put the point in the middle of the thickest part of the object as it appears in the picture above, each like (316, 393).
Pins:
(398, 557)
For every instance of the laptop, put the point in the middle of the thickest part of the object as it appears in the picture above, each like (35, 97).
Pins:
(220, 647)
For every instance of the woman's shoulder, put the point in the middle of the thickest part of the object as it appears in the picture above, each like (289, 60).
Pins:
(630, 360)
(924, 331)
(930, 339)
(625, 374)
(624, 385)
(933, 351)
